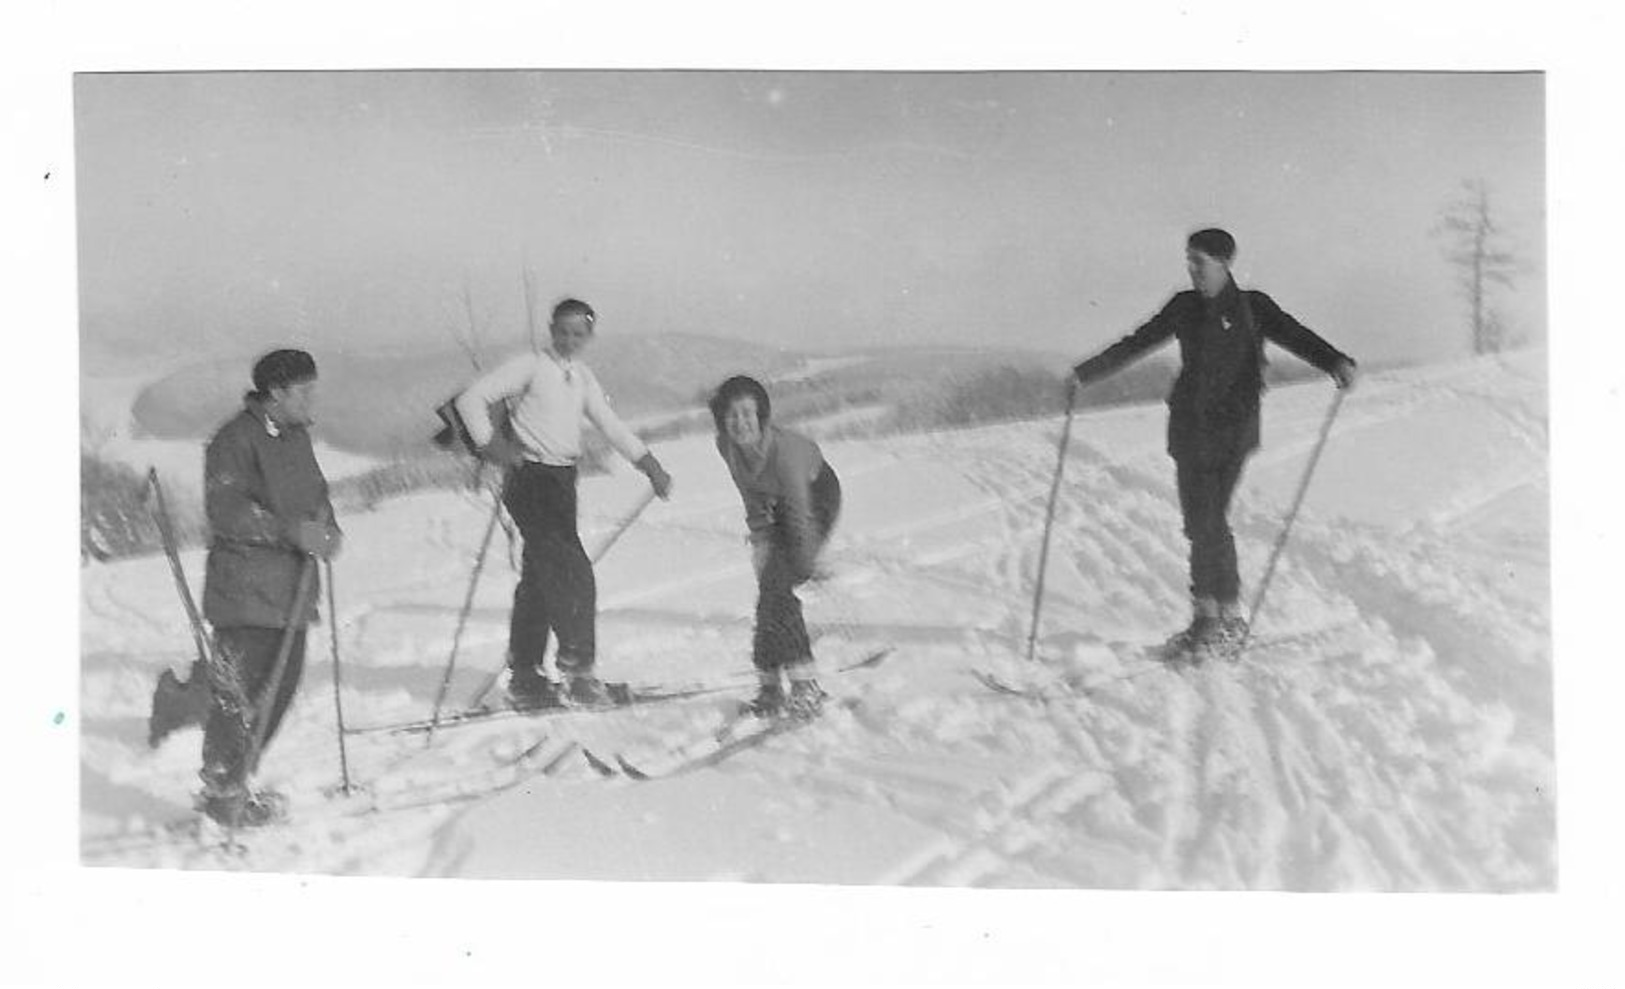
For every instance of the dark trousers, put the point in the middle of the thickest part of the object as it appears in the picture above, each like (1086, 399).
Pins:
(1204, 500)
(556, 592)
(247, 657)
(781, 632)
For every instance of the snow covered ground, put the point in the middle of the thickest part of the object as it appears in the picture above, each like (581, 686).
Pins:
(1393, 729)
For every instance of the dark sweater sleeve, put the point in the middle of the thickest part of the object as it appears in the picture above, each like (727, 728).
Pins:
(1155, 332)
(236, 514)
(1280, 328)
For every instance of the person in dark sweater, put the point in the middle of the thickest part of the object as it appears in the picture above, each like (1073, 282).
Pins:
(1213, 413)
(269, 518)
(792, 499)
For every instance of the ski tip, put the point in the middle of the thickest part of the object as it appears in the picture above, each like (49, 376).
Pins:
(598, 765)
(631, 770)
(874, 658)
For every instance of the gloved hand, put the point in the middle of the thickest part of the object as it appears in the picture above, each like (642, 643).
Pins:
(317, 539)
(658, 478)
(505, 451)
(1345, 374)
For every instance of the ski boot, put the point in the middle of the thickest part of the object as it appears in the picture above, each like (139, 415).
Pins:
(770, 700)
(806, 698)
(1190, 643)
(1229, 634)
(586, 690)
(235, 806)
(528, 690)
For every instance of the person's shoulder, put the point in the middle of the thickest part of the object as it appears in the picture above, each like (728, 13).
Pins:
(237, 429)
(1258, 298)
(1183, 302)
(796, 445)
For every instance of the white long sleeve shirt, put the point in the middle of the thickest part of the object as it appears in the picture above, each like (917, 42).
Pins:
(551, 396)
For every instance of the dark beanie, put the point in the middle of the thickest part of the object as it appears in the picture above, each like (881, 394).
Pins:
(737, 387)
(281, 368)
(1213, 242)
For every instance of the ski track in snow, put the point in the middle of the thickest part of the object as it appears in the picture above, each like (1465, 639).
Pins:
(1398, 738)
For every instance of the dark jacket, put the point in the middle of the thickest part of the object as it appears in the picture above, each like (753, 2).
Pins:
(1213, 406)
(259, 483)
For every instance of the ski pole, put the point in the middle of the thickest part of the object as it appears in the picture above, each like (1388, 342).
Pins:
(338, 703)
(166, 534)
(1049, 520)
(1291, 516)
(598, 554)
(462, 617)
(262, 711)
(622, 526)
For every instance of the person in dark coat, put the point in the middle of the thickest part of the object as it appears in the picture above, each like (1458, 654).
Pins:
(1213, 413)
(270, 518)
(792, 498)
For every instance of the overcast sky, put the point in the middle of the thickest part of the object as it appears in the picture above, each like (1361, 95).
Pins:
(223, 213)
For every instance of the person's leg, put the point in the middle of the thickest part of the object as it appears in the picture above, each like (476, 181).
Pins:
(780, 638)
(1232, 627)
(225, 734)
(247, 658)
(1195, 507)
(567, 575)
(1225, 578)
(806, 696)
(530, 622)
(289, 687)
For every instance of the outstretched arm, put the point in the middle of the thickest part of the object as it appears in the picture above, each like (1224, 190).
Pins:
(1149, 336)
(623, 439)
(1279, 327)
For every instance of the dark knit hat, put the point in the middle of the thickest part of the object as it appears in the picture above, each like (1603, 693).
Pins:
(737, 387)
(1213, 242)
(281, 368)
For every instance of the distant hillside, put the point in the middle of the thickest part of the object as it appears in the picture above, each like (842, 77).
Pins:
(383, 405)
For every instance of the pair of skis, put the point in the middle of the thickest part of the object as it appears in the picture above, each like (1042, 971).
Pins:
(1155, 659)
(623, 695)
(741, 732)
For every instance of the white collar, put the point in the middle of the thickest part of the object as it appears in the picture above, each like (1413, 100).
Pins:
(565, 364)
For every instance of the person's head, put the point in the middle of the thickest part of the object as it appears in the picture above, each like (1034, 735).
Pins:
(1208, 254)
(285, 384)
(571, 326)
(741, 409)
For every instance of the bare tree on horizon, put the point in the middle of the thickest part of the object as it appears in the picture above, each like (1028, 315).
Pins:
(1478, 250)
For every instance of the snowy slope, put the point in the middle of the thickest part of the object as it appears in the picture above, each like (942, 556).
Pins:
(1392, 731)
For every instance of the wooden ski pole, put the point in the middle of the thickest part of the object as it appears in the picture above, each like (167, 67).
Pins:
(462, 618)
(1291, 516)
(166, 534)
(1049, 521)
(338, 702)
(262, 711)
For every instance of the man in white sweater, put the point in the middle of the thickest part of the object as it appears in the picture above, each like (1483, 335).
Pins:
(548, 394)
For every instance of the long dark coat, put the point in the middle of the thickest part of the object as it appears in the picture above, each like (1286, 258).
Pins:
(259, 482)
